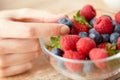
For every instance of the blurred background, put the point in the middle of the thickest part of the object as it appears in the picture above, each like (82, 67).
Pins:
(55, 6)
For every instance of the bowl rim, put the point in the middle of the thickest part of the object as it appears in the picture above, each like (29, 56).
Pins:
(45, 50)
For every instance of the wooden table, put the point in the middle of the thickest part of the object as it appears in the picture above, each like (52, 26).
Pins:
(42, 70)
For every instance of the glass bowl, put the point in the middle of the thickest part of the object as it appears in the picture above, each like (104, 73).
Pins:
(87, 70)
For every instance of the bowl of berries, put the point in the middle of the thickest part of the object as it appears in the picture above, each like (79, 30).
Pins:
(91, 50)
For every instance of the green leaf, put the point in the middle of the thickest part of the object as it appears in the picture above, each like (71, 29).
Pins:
(55, 42)
(81, 19)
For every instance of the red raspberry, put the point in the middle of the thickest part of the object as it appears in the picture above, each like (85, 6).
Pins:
(97, 54)
(68, 42)
(118, 43)
(103, 25)
(103, 45)
(84, 45)
(117, 17)
(78, 27)
(74, 55)
(88, 12)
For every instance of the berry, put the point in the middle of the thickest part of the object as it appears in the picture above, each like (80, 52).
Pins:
(84, 45)
(106, 37)
(103, 45)
(65, 21)
(92, 21)
(117, 17)
(114, 22)
(117, 28)
(118, 43)
(57, 51)
(96, 37)
(113, 37)
(68, 42)
(104, 25)
(97, 54)
(92, 30)
(107, 16)
(78, 27)
(88, 12)
(74, 55)
(83, 34)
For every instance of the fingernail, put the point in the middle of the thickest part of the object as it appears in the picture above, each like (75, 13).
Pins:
(65, 30)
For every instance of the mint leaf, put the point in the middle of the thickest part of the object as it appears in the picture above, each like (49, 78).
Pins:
(81, 19)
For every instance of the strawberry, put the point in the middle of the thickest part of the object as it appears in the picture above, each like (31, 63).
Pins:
(118, 43)
(117, 17)
(88, 12)
(78, 27)
(103, 45)
(84, 45)
(74, 55)
(103, 25)
(68, 42)
(97, 54)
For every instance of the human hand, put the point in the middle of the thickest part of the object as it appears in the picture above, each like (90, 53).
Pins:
(19, 33)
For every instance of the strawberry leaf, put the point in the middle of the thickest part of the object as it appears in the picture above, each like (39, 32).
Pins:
(55, 43)
(81, 19)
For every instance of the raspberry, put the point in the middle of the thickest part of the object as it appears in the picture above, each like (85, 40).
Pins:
(103, 45)
(117, 17)
(68, 42)
(84, 45)
(88, 12)
(74, 55)
(78, 27)
(97, 54)
(118, 43)
(103, 25)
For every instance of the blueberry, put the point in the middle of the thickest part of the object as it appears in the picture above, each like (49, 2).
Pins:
(106, 37)
(92, 21)
(113, 37)
(83, 34)
(114, 22)
(107, 16)
(92, 30)
(65, 21)
(89, 67)
(60, 64)
(57, 51)
(117, 28)
(96, 37)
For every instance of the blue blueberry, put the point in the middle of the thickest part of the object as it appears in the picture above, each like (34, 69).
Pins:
(107, 16)
(89, 68)
(60, 64)
(114, 22)
(57, 51)
(106, 37)
(113, 37)
(92, 30)
(117, 28)
(83, 34)
(92, 21)
(65, 21)
(96, 37)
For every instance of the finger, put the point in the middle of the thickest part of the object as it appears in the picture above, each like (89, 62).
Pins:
(17, 58)
(31, 30)
(14, 70)
(31, 15)
(18, 45)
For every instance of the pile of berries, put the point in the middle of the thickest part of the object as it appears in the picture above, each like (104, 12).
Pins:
(90, 38)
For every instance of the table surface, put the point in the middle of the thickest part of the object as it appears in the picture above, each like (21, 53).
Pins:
(42, 70)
